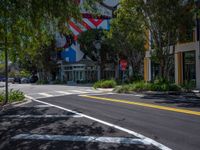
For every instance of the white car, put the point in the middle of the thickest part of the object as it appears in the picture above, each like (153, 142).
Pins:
(25, 80)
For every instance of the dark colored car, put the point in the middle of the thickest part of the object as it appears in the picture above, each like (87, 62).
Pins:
(17, 80)
(33, 79)
(2, 79)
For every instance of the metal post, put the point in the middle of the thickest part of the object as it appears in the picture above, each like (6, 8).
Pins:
(6, 59)
(6, 72)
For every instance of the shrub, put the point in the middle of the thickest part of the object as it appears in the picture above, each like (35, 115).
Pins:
(174, 87)
(13, 96)
(105, 84)
(146, 86)
(58, 82)
(42, 82)
(188, 86)
(123, 89)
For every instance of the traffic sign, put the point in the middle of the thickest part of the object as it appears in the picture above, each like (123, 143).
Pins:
(123, 64)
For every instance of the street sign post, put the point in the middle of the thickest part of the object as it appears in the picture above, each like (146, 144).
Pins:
(123, 65)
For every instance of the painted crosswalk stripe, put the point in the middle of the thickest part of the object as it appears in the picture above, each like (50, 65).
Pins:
(77, 91)
(91, 91)
(45, 94)
(41, 116)
(116, 140)
(63, 92)
(41, 106)
(139, 95)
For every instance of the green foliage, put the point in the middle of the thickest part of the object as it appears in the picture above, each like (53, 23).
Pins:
(146, 86)
(188, 86)
(20, 74)
(58, 82)
(166, 20)
(42, 82)
(13, 96)
(127, 34)
(24, 73)
(29, 26)
(105, 84)
(13, 74)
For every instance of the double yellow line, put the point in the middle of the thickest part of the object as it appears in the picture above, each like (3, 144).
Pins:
(190, 112)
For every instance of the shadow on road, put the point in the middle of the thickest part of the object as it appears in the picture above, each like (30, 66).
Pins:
(176, 100)
(10, 127)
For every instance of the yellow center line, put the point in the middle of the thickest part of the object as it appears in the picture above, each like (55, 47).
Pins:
(144, 105)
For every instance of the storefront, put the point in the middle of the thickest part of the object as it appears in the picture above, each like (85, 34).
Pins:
(82, 72)
(189, 67)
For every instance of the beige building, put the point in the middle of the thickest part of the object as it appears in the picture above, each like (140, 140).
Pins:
(186, 62)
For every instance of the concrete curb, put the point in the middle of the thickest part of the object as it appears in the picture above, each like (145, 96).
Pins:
(15, 104)
(105, 89)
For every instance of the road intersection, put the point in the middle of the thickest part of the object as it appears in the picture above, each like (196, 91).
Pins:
(98, 120)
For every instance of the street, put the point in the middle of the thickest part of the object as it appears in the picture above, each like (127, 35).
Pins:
(75, 115)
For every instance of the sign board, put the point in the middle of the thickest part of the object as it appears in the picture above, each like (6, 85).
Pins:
(123, 64)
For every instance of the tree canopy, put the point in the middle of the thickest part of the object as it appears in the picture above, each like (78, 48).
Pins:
(127, 35)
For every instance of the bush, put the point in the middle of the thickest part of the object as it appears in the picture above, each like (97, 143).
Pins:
(105, 84)
(58, 82)
(188, 86)
(42, 82)
(146, 86)
(123, 89)
(13, 96)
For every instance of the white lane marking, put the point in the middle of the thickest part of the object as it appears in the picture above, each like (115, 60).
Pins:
(41, 116)
(45, 94)
(42, 106)
(94, 91)
(139, 95)
(77, 91)
(145, 140)
(63, 92)
(96, 94)
(116, 140)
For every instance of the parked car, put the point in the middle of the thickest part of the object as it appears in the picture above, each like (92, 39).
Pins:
(33, 79)
(11, 80)
(17, 80)
(2, 79)
(25, 80)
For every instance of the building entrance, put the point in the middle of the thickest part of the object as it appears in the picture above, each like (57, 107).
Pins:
(189, 67)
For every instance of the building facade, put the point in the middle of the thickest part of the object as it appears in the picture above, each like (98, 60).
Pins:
(74, 65)
(186, 61)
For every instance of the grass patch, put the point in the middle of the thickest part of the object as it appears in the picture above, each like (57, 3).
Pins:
(13, 96)
(105, 84)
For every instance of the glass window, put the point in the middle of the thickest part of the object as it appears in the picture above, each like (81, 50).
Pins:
(189, 67)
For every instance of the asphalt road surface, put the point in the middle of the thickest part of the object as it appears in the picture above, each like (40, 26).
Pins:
(73, 121)
(176, 130)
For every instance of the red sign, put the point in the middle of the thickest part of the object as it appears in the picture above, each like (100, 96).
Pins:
(123, 64)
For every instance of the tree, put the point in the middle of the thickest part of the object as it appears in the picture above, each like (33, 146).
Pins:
(105, 55)
(127, 35)
(26, 27)
(166, 20)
